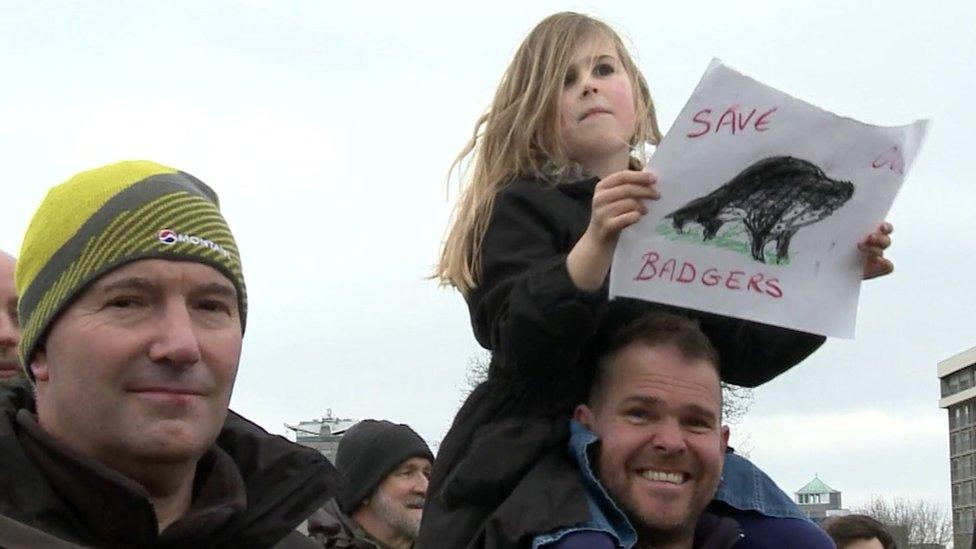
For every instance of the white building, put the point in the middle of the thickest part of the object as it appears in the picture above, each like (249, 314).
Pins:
(957, 375)
(819, 501)
(323, 434)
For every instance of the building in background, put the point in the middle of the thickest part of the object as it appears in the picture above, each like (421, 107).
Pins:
(322, 434)
(819, 501)
(957, 376)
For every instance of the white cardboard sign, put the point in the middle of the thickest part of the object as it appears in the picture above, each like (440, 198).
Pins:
(763, 200)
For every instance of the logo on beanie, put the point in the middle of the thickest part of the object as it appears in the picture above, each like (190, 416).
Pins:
(169, 238)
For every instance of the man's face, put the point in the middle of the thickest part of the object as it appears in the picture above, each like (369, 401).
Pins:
(142, 364)
(9, 330)
(399, 499)
(661, 441)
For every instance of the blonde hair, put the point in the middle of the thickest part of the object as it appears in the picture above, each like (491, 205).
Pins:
(518, 136)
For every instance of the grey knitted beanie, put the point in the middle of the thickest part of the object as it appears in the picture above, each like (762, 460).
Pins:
(368, 452)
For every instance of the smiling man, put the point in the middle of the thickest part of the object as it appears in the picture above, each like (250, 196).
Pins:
(651, 451)
(649, 442)
(132, 311)
(384, 467)
(10, 370)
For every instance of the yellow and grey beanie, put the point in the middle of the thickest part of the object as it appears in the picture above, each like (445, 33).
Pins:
(104, 218)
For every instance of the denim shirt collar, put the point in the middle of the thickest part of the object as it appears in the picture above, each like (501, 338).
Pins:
(746, 488)
(605, 515)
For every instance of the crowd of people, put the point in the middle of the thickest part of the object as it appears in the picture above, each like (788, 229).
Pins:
(599, 424)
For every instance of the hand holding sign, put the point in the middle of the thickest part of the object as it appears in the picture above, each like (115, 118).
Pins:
(873, 247)
(618, 202)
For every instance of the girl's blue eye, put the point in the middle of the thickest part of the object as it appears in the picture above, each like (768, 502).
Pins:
(603, 69)
(570, 78)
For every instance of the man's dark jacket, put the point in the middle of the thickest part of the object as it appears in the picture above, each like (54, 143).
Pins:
(283, 484)
(335, 530)
(491, 483)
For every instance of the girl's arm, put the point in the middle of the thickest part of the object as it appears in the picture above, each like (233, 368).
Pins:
(543, 286)
(526, 308)
(618, 202)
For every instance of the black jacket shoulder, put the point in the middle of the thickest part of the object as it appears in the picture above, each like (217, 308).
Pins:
(285, 483)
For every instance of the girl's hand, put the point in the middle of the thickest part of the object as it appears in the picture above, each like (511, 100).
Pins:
(618, 202)
(873, 247)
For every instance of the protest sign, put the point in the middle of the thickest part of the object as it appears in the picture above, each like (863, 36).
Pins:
(764, 199)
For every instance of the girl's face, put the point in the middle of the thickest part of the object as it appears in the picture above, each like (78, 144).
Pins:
(596, 107)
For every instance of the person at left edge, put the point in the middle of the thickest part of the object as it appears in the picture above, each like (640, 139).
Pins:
(132, 312)
(10, 370)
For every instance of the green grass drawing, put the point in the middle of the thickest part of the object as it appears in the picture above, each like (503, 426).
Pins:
(732, 236)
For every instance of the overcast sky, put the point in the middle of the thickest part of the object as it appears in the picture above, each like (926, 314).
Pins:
(328, 128)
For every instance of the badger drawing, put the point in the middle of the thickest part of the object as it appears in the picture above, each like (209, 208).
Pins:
(773, 198)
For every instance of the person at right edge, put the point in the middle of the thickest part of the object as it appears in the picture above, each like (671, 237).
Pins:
(554, 178)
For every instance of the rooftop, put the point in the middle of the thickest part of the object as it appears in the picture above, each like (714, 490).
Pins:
(324, 426)
(816, 486)
(957, 362)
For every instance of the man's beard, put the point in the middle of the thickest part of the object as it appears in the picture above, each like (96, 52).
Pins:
(399, 518)
(649, 528)
(10, 356)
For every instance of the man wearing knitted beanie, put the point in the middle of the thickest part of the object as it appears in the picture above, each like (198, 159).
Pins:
(132, 312)
(384, 469)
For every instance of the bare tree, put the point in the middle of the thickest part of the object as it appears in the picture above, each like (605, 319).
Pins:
(736, 400)
(477, 370)
(924, 521)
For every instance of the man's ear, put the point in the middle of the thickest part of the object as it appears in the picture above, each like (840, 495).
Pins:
(725, 438)
(38, 365)
(584, 415)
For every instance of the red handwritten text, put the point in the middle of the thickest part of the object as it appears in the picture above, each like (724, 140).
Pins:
(733, 118)
(891, 159)
(653, 267)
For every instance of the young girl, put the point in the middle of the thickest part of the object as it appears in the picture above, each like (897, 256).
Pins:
(555, 176)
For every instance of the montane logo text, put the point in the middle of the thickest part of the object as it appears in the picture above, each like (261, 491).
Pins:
(169, 238)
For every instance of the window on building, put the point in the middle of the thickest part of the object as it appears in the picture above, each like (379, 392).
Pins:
(957, 381)
(962, 494)
(961, 468)
(960, 442)
(965, 521)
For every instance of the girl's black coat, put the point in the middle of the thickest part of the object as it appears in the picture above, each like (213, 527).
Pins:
(496, 481)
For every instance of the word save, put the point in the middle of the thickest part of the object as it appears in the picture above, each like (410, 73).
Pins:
(734, 118)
